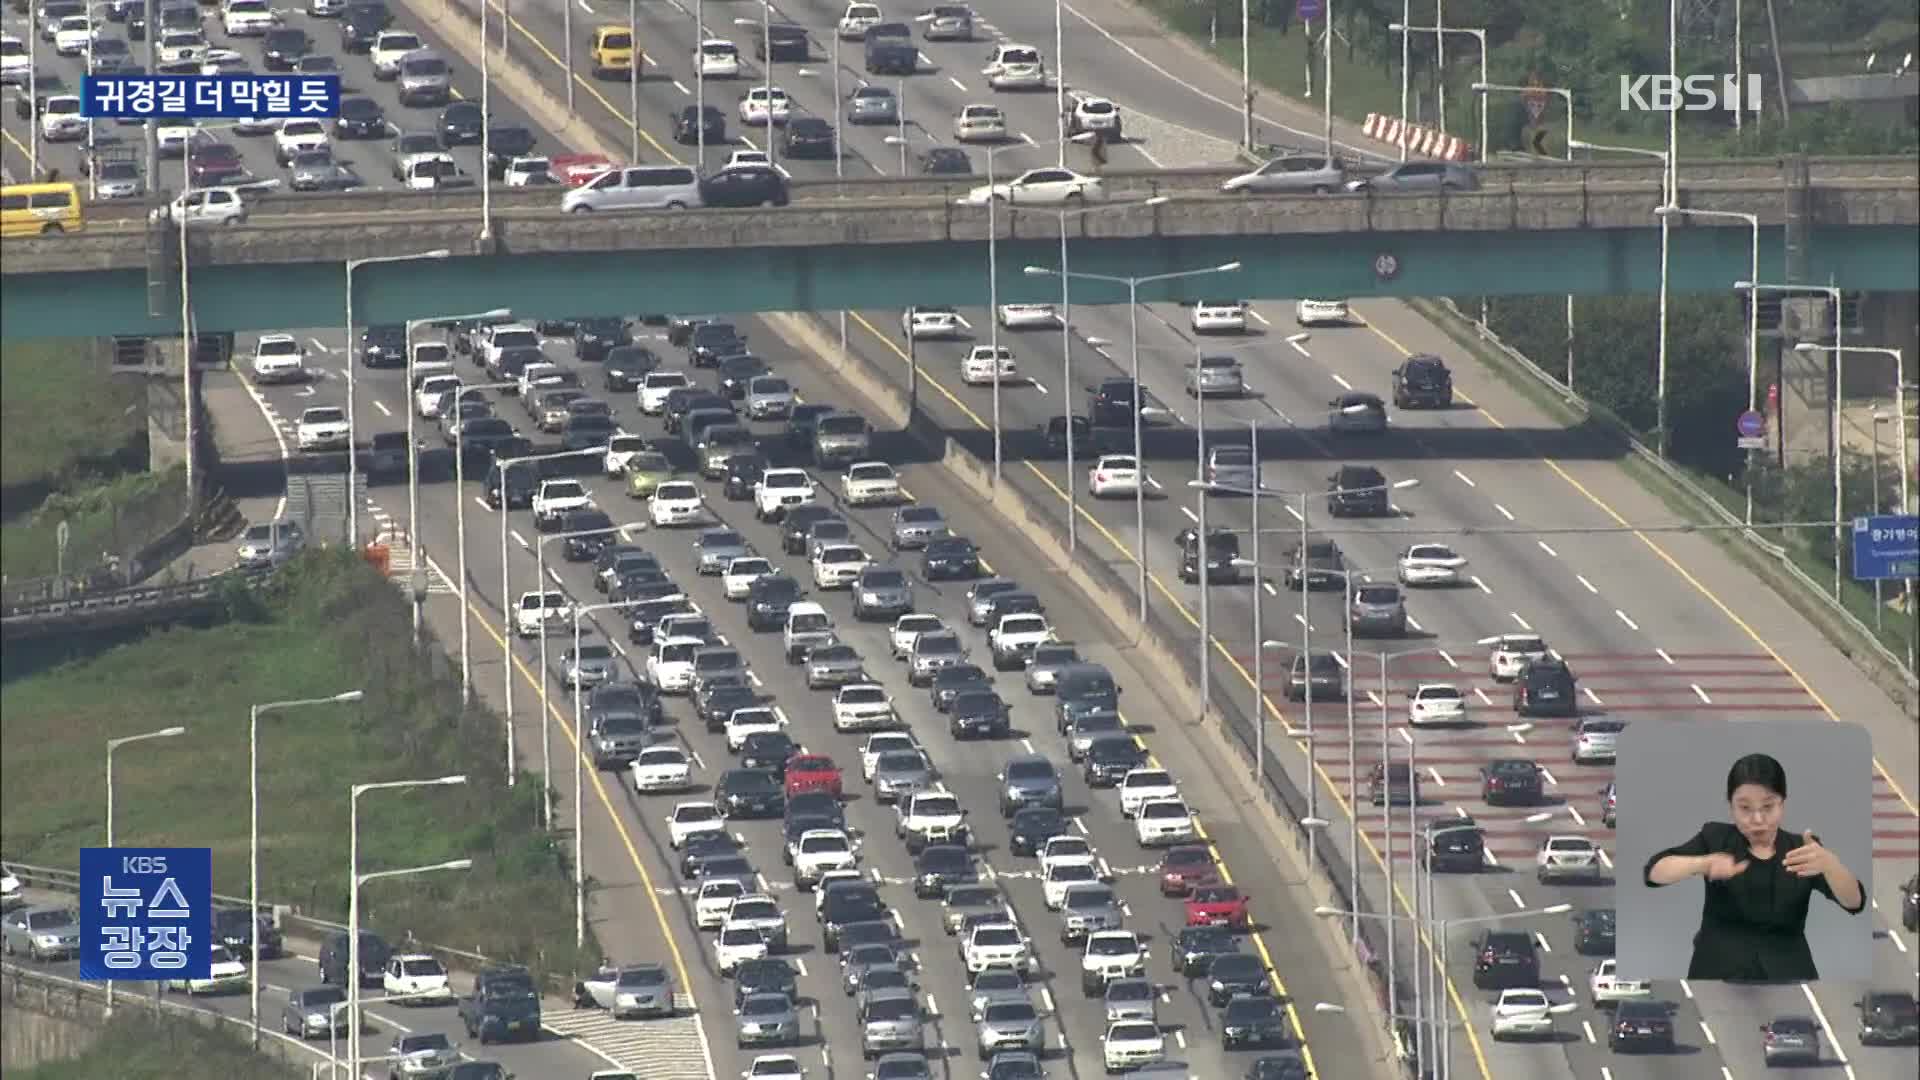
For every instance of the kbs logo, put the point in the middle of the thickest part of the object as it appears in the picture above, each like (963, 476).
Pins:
(1692, 93)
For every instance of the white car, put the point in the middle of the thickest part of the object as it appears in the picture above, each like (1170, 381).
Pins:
(426, 400)
(1607, 987)
(818, 852)
(670, 666)
(714, 900)
(885, 742)
(1049, 186)
(780, 490)
(1094, 114)
(762, 913)
(742, 159)
(61, 119)
(297, 135)
(996, 943)
(1015, 67)
(279, 358)
(870, 483)
(1066, 851)
(72, 34)
(661, 768)
(223, 62)
(1115, 474)
(753, 720)
(1219, 317)
(1511, 652)
(1522, 1014)
(323, 427)
(1160, 822)
(717, 58)
(676, 502)
(1430, 564)
(655, 388)
(431, 172)
(247, 18)
(207, 206)
(741, 573)
(689, 818)
(1129, 1044)
(418, 977)
(1563, 858)
(497, 339)
(389, 47)
(181, 46)
(556, 499)
(1110, 955)
(224, 972)
(932, 324)
(857, 19)
(736, 945)
(980, 123)
(907, 629)
(775, 1067)
(862, 706)
(986, 363)
(16, 61)
(1141, 785)
(1436, 703)
(538, 612)
(837, 565)
(620, 450)
(173, 136)
(1028, 317)
(1322, 313)
(765, 104)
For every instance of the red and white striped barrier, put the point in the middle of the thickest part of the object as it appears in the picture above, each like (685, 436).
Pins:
(1416, 138)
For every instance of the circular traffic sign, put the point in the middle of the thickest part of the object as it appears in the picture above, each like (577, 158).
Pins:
(1309, 10)
(1751, 424)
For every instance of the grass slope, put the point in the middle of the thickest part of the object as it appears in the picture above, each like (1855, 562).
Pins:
(133, 1045)
(61, 411)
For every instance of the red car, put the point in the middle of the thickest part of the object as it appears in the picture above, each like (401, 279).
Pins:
(576, 169)
(1218, 905)
(812, 772)
(1184, 867)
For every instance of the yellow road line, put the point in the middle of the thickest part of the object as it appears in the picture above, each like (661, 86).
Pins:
(592, 90)
(1685, 575)
(24, 152)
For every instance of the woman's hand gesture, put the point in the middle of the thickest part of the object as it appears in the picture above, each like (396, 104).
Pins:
(1719, 866)
(1810, 859)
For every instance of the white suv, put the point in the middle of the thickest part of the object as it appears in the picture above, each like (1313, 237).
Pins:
(279, 358)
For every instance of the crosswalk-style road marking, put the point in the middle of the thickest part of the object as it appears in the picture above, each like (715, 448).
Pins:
(667, 1049)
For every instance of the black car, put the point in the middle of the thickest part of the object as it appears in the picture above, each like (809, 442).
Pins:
(384, 345)
(1032, 827)
(953, 680)
(626, 366)
(1889, 1018)
(743, 472)
(797, 523)
(1505, 960)
(940, 865)
(1237, 974)
(700, 848)
(283, 48)
(809, 137)
(595, 532)
(820, 804)
(782, 43)
(845, 904)
(1593, 932)
(768, 975)
(686, 129)
(645, 616)
(1641, 1025)
(950, 558)
(335, 952)
(768, 750)
(232, 928)
(462, 123)
(750, 793)
(111, 56)
(711, 341)
(978, 714)
(946, 161)
(1910, 903)
(360, 118)
(1254, 1023)
(1358, 491)
(1109, 757)
(361, 24)
(802, 421)
(1222, 555)
(1545, 687)
(1423, 381)
(768, 600)
(1511, 782)
(744, 186)
(506, 142)
(1458, 847)
(1110, 402)
(594, 338)
(1194, 949)
(484, 438)
(736, 372)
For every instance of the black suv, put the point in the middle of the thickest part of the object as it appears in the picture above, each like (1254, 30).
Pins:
(782, 43)
(504, 143)
(230, 928)
(743, 475)
(384, 345)
(593, 532)
(1223, 550)
(768, 600)
(1110, 402)
(360, 118)
(1545, 688)
(504, 1004)
(373, 958)
(1423, 381)
(461, 123)
(686, 127)
(626, 366)
(1319, 565)
(950, 558)
(745, 186)
(809, 137)
(282, 49)
(517, 491)
(1510, 782)
(712, 341)
(1889, 1018)
(361, 24)
(595, 337)
(1505, 960)
(1358, 491)
(1593, 931)
(1458, 846)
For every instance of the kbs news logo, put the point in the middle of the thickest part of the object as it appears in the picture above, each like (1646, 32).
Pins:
(1691, 93)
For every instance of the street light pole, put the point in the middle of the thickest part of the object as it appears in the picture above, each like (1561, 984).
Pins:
(579, 780)
(355, 879)
(1839, 350)
(1566, 96)
(460, 526)
(633, 78)
(700, 88)
(1753, 314)
(1439, 36)
(1246, 81)
(253, 838)
(1899, 409)
(112, 745)
(353, 431)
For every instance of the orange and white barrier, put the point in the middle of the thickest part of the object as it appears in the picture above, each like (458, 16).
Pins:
(1416, 138)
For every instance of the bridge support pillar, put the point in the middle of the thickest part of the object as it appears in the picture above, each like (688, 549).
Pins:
(166, 406)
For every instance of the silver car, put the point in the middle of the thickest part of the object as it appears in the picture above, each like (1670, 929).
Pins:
(899, 773)
(931, 652)
(769, 397)
(949, 22)
(425, 78)
(1089, 907)
(316, 170)
(421, 1055)
(882, 591)
(890, 1020)
(980, 598)
(716, 548)
(997, 984)
(1596, 739)
(269, 544)
(964, 900)
(873, 105)
(1216, 376)
(640, 990)
(834, 664)
(1357, 413)
(1420, 177)
(314, 1012)
(915, 525)
(1088, 726)
(1231, 467)
(43, 933)
(1132, 999)
(1044, 664)
(592, 665)
(1010, 1025)
(1292, 173)
(857, 961)
(768, 1019)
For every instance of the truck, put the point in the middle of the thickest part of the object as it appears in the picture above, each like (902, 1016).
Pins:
(1015, 637)
(890, 49)
(556, 499)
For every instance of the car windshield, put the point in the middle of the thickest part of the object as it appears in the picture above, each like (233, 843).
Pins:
(641, 978)
(1088, 899)
(900, 761)
(414, 1044)
(421, 967)
(1030, 770)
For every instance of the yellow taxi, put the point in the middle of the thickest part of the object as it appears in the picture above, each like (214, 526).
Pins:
(646, 471)
(613, 52)
(40, 209)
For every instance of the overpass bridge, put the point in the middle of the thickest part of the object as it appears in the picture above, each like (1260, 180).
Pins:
(1532, 229)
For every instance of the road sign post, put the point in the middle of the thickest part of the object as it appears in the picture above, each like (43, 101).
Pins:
(1309, 10)
(146, 914)
(1751, 429)
(1886, 547)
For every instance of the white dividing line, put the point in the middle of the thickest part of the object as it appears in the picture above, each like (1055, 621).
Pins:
(1586, 1029)
(482, 504)
(1191, 516)
(1046, 999)
(1405, 735)
(1482, 695)
(555, 575)
(1081, 826)
(1631, 625)
(957, 84)
(1341, 660)
(1435, 773)
(1415, 623)
(1686, 989)
(1295, 343)
(1662, 654)
(1548, 777)
(1606, 860)
(1295, 514)
(1344, 384)
(1591, 696)
(1894, 936)
(1517, 902)
(1504, 512)
(1581, 578)
(1464, 478)
(1450, 660)
(1541, 940)
(1544, 547)
(702, 764)
(1297, 617)
(1374, 699)
(677, 85)
(382, 406)
(1516, 618)
(317, 346)
(933, 1007)
(1271, 591)
(1708, 1032)
(1259, 318)
(1028, 139)
(1606, 1073)
(1701, 694)
(1482, 585)
(1042, 387)
(1574, 813)
(1180, 1037)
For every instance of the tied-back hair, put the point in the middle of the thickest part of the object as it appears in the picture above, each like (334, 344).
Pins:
(1761, 770)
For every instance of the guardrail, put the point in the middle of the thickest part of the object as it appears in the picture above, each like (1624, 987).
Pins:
(1776, 554)
(118, 607)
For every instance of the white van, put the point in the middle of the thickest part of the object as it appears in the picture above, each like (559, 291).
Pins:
(637, 187)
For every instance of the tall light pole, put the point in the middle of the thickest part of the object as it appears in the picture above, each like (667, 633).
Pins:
(1133, 348)
(633, 79)
(1060, 94)
(486, 129)
(355, 879)
(1326, 83)
(1839, 350)
(579, 780)
(253, 836)
(112, 745)
(417, 595)
(1246, 80)
(765, 23)
(1406, 62)
(700, 86)
(1439, 34)
(33, 97)
(353, 432)
(1566, 96)
(1669, 193)
(1753, 313)
(186, 294)
(460, 527)
(507, 465)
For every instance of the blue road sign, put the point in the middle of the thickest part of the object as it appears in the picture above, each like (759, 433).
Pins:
(1886, 547)
(1751, 424)
(1310, 9)
(146, 913)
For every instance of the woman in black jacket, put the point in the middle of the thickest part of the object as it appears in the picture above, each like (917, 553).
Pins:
(1760, 880)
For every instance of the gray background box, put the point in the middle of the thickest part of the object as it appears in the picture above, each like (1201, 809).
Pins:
(1672, 778)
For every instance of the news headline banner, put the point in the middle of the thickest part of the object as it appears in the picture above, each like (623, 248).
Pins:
(146, 913)
(245, 97)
